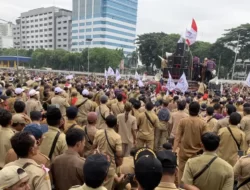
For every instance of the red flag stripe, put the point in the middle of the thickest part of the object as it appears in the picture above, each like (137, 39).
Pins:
(194, 26)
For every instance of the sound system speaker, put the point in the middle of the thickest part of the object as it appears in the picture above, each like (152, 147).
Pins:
(180, 50)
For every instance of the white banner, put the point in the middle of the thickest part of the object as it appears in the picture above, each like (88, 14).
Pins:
(111, 72)
(117, 75)
(182, 84)
(248, 80)
(170, 84)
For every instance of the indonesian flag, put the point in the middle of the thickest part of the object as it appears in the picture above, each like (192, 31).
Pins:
(191, 34)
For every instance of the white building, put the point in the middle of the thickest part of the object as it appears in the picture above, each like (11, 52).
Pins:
(106, 23)
(6, 35)
(47, 28)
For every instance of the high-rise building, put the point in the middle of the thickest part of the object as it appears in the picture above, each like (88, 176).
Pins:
(6, 36)
(47, 28)
(104, 23)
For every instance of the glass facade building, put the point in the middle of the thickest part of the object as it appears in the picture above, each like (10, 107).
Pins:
(108, 23)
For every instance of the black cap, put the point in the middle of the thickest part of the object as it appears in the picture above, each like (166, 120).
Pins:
(148, 171)
(167, 158)
(96, 167)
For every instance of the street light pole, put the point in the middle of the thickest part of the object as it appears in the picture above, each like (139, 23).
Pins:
(235, 58)
(88, 40)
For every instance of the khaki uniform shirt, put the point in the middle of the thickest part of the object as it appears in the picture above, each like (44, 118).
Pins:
(145, 128)
(5, 135)
(39, 177)
(85, 187)
(241, 171)
(67, 170)
(220, 124)
(211, 123)
(84, 109)
(102, 112)
(33, 105)
(188, 136)
(172, 106)
(167, 186)
(10, 103)
(110, 102)
(176, 118)
(228, 149)
(25, 117)
(90, 132)
(101, 142)
(245, 126)
(61, 145)
(96, 97)
(94, 105)
(125, 127)
(128, 166)
(71, 124)
(40, 158)
(117, 108)
(61, 103)
(219, 175)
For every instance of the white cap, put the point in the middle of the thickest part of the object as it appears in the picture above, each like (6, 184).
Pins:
(58, 90)
(18, 90)
(240, 99)
(10, 175)
(85, 92)
(32, 92)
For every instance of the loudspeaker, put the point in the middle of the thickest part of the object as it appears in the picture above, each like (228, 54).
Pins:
(180, 49)
(170, 61)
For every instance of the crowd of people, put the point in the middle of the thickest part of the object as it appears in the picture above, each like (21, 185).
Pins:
(87, 133)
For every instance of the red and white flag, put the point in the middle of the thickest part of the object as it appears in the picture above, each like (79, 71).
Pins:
(191, 34)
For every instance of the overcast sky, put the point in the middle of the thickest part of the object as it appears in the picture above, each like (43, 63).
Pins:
(170, 16)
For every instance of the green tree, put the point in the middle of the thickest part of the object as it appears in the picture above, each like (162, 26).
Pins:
(201, 49)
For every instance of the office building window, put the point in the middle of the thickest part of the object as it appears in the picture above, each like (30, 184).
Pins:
(41, 41)
(88, 23)
(65, 40)
(36, 30)
(64, 21)
(36, 25)
(50, 23)
(45, 40)
(41, 19)
(64, 45)
(45, 46)
(45, 30)
(45, 35)
(59, 23)
(41, 30)
(50, 34)
(41, 35)
(45, 19)
(58, 45)
(88, 30)
(64, 33)
(50, 17)
(82, 24)
(45, 24)
(50, 40)
(59, 28)
(36, 20)
(50, 29)
(27, 26)
(50, 46)
(59, 34)
(59, 40)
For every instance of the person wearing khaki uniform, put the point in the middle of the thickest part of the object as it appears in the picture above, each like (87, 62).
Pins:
(188, 137)
(245, 124)
(54, 119)
(40, 158)
(33, 104)
(118, 108)
(59, 101)
(5, 135)
(228, 149)
(102, 112)
(127, 127)
(177, 116)
(162, 133)
(168, 160)
(95, 165)
(97, 96)
(84, 106)
(218, 175)
(210, 120)
(241, 172)
(90, 131)
(107, 141)
(71, 113)
(67, 169)
(225, 121)
(94, 104)
(38, 175)
(145, 135)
